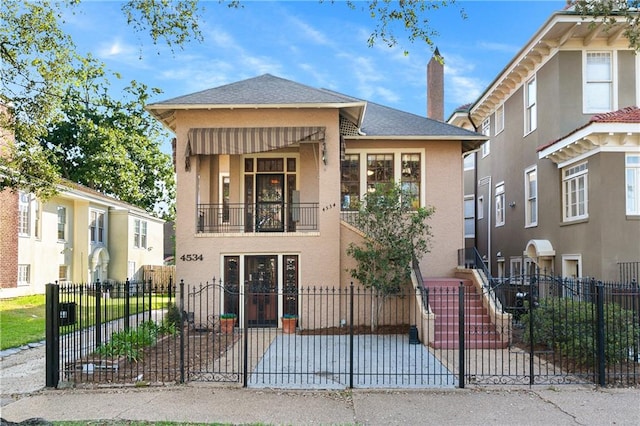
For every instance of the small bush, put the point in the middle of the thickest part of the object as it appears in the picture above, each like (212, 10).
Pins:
(570, 327)
(171, 321)
(130, 343)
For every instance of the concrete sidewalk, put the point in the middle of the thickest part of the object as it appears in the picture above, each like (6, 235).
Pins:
(562, 405)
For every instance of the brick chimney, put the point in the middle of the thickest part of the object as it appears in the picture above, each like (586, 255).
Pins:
(435, 87)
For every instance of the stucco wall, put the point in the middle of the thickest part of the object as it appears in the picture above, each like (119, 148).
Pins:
(319, 253)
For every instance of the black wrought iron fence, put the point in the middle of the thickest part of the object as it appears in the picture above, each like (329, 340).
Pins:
(629, 272)
(538, 330)
(103, 332)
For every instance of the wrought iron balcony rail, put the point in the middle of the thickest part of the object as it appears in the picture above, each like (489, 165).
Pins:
(258, 217)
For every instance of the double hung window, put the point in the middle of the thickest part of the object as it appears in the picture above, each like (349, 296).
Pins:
(598, 82)
(632, 183)
(530, 107)
(62, 223)
(531, 196)
(574, 192)
(500, 204)
(24, 274)
(140, 233)
(486, 130)
(97, 226)
(24, 218)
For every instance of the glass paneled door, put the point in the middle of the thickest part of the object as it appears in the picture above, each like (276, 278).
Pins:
(270, 203)
(261, 276)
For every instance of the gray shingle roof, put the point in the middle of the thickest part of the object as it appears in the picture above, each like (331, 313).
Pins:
(265, 89)
(270, 90)
(380, 120)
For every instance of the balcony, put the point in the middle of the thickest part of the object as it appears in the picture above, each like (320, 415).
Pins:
(260, 217)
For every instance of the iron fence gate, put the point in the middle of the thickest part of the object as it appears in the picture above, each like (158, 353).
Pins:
(553, 331)
(340, 338)
(446, 333)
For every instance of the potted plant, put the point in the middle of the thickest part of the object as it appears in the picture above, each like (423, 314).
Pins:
(227, 323)
(289, 323)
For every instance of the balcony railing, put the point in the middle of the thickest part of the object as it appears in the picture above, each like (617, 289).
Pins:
(259, 217)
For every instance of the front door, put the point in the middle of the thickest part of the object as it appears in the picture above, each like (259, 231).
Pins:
(261, 277)
(270, 203)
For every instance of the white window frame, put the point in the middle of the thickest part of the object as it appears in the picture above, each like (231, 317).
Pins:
(500, 207)
(144, 241)
(515, 263)
(63, 273)
(499, 124)
(632, 184)
(140, 239)
(480, 207)
(469, 162)
(24, 274)
(486, 130)
(531, 197)
(588, 82)
(469, 215)
(37, 219)
(24, 214)
(97, 233)
(62, 225)
(574, 175)
(569, 261)
(530, 105)
(136, 233)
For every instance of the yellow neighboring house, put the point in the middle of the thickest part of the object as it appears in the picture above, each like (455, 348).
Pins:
(80, 235)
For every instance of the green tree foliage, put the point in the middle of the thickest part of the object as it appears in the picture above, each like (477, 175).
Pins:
(112, 146)
(42, 72)
(394, 232)
(408, 17)
(37, 63)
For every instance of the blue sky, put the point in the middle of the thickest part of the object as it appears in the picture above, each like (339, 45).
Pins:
(322, 45)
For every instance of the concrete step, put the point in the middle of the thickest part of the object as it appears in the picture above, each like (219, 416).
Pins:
(470, 344)
(454, 327)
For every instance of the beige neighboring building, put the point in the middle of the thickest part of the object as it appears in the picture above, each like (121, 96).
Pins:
(79, 236)
(268, 171)
(557, 186)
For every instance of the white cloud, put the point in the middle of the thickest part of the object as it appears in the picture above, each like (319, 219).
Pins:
(301, 28)
(388, 95)
(117, 50)
(497, 47)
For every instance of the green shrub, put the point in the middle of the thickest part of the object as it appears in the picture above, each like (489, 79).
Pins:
(130, 343)
(172, 320)
(570, 327)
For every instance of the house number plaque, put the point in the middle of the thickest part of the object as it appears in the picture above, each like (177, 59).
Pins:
(191, 257)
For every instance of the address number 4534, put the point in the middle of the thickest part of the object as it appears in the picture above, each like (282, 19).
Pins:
(191, 257)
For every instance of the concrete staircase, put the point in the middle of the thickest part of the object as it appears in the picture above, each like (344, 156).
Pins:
(480, 332)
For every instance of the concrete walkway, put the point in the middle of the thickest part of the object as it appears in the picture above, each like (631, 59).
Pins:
(210, 403)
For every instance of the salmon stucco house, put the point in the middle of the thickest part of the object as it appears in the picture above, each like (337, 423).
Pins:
(268, 170)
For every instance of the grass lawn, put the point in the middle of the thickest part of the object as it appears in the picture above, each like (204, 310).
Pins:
(22, 319)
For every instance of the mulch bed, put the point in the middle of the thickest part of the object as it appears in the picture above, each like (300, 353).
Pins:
(160, 364)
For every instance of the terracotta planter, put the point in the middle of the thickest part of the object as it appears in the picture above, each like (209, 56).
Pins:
(227, 325)
(289, 325)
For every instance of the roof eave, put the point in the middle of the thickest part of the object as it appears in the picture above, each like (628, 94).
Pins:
(531, 55)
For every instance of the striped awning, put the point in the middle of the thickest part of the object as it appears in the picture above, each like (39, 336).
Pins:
(245, 140)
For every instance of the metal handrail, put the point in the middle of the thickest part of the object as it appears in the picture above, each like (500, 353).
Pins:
(257, 217)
